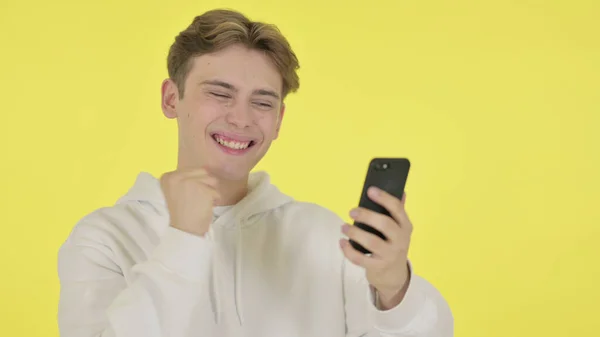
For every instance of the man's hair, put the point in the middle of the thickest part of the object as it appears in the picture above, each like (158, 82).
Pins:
(220, 28)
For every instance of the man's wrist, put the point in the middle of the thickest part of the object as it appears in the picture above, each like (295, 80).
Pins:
(387, 299)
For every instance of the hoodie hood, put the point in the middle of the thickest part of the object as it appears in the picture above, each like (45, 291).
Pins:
(261, 198)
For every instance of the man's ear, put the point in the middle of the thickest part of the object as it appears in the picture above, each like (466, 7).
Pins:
(169, 98)
(279, 120)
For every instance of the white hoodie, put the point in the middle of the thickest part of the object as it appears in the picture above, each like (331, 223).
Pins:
(270, 267)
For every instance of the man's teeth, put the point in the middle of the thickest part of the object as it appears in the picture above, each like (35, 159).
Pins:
(232, 144)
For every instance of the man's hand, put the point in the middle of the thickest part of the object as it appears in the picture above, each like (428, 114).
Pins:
(190, 197)
(387, 267)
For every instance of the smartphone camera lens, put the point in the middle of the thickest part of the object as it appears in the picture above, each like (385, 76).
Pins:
(380, 166)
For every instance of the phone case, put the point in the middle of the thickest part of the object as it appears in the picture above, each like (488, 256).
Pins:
(390, 175)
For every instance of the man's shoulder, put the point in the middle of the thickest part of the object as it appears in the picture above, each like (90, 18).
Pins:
(118, 222)
(310, 217)
(311, 211)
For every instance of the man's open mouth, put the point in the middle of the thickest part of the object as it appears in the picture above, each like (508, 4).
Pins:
(232, 143)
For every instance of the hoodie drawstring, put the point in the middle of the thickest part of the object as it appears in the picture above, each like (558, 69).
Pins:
(238, 274)
(216, 305)
(217, 265)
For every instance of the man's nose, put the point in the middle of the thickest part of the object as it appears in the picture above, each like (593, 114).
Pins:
(240, 115)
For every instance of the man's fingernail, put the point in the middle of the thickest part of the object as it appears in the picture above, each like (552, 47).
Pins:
(374, 191)
(353, 213)
(345, 228)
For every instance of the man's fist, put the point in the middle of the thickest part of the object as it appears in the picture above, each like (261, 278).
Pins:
(190, 197)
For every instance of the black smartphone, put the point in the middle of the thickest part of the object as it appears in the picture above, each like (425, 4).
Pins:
(388, 174)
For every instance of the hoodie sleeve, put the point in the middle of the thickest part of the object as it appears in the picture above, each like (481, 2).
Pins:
(422, 313)
(97, 301)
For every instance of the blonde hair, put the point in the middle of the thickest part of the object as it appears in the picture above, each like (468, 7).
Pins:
(220, 28)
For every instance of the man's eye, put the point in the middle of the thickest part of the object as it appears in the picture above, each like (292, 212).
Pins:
(219, 95)
(263, 104)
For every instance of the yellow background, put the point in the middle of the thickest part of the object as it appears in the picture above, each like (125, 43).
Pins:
(495, 102)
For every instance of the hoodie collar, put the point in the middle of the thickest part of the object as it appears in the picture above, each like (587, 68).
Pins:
(262, 196)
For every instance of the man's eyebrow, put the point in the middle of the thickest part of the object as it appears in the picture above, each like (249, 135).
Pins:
(262, 92)
(266, 92)
(220, 83)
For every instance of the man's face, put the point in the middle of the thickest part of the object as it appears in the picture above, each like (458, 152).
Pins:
(230, 113)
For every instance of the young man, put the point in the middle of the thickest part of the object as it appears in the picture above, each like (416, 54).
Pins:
(212, 250)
